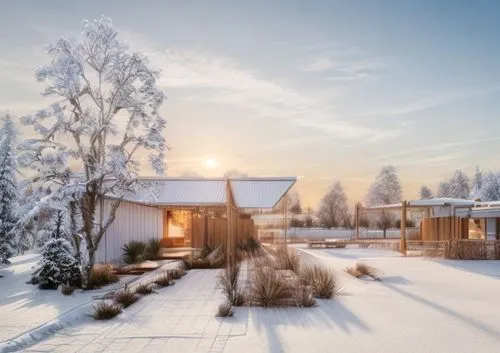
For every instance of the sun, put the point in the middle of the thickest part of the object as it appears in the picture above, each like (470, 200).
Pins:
(210, 163)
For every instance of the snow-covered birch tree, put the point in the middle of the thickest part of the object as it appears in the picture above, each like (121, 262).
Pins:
(386, 189)
(490, 187)
(444, 189)
(8, 189)
(105, 117)
(459, 185)
(425, 192)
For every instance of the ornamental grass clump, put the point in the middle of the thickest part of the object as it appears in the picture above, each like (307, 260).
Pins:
(105, 310)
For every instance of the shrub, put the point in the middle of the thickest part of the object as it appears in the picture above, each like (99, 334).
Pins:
(163, 280)
(225, 310)
(102, 275)
(362, 269)
(145, 288)
(105, 310)
(134, 252)
(57, 266)
(125, 297)
(205, 251)
(287, 260)
(228, 279)
(304, 296)
(249, 244)
(152, 249)
(66, 289)
(269, 288)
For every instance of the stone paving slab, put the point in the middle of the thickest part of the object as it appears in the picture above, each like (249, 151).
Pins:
(179, 318)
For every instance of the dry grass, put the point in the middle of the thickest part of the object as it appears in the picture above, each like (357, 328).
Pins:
(146, 288)
(66, 289)
(228, 280)
(322, 281)
(199, 264)
(362, 269)
(164, 279)
(269, 288)
(125, 297)
(102, 275)
(225, 310)
(287, 259)
(304, 296)
(177, 273)
(105, 310)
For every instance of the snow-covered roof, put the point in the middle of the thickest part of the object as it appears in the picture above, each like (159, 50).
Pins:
(247, 192)
(440, 201)
(434, 202)
(479, 212)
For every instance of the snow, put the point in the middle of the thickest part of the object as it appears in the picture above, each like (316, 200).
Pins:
(421, 305)
(24, 307)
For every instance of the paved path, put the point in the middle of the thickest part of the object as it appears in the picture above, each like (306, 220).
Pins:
(180, 318)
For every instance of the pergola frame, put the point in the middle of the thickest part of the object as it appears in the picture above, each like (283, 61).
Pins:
(403, 207)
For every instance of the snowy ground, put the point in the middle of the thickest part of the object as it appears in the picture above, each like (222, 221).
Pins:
(24, 307)
(420, 306)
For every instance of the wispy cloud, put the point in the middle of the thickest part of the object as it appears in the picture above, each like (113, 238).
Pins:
(339, 67)
(205, 77)
(431, 101)
(436, 156)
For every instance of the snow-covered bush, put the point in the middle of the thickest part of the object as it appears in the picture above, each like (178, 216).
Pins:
(57, 266)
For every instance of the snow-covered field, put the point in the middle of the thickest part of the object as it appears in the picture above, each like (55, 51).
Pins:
(24, 307)
(421, 305)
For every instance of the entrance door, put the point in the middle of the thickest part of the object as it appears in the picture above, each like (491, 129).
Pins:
(177, 228)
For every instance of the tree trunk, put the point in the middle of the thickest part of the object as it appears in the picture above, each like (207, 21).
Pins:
(87, 268)
(385, 233)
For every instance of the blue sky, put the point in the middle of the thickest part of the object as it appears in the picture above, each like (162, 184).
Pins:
(321, 89)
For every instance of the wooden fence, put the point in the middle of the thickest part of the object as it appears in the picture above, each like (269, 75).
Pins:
(472, 249)
(444, 228)
(216, 233)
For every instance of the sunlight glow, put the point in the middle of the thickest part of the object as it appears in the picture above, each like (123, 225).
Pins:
(210, 163)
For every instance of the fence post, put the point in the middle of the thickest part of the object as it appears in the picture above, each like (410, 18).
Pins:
(402, 246)
(356, 213)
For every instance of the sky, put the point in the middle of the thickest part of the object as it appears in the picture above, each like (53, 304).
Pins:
(324, 90)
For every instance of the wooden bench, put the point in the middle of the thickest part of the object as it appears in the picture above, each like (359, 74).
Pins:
(327, 244)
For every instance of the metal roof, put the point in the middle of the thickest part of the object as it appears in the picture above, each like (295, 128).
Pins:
(259, 193)
(247, 192)
(479, 212)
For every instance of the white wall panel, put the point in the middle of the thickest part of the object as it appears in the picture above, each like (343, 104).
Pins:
(132, 222)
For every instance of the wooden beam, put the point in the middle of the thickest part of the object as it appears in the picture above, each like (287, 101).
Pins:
(230, 242)
(356, 214)
(402, 245)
